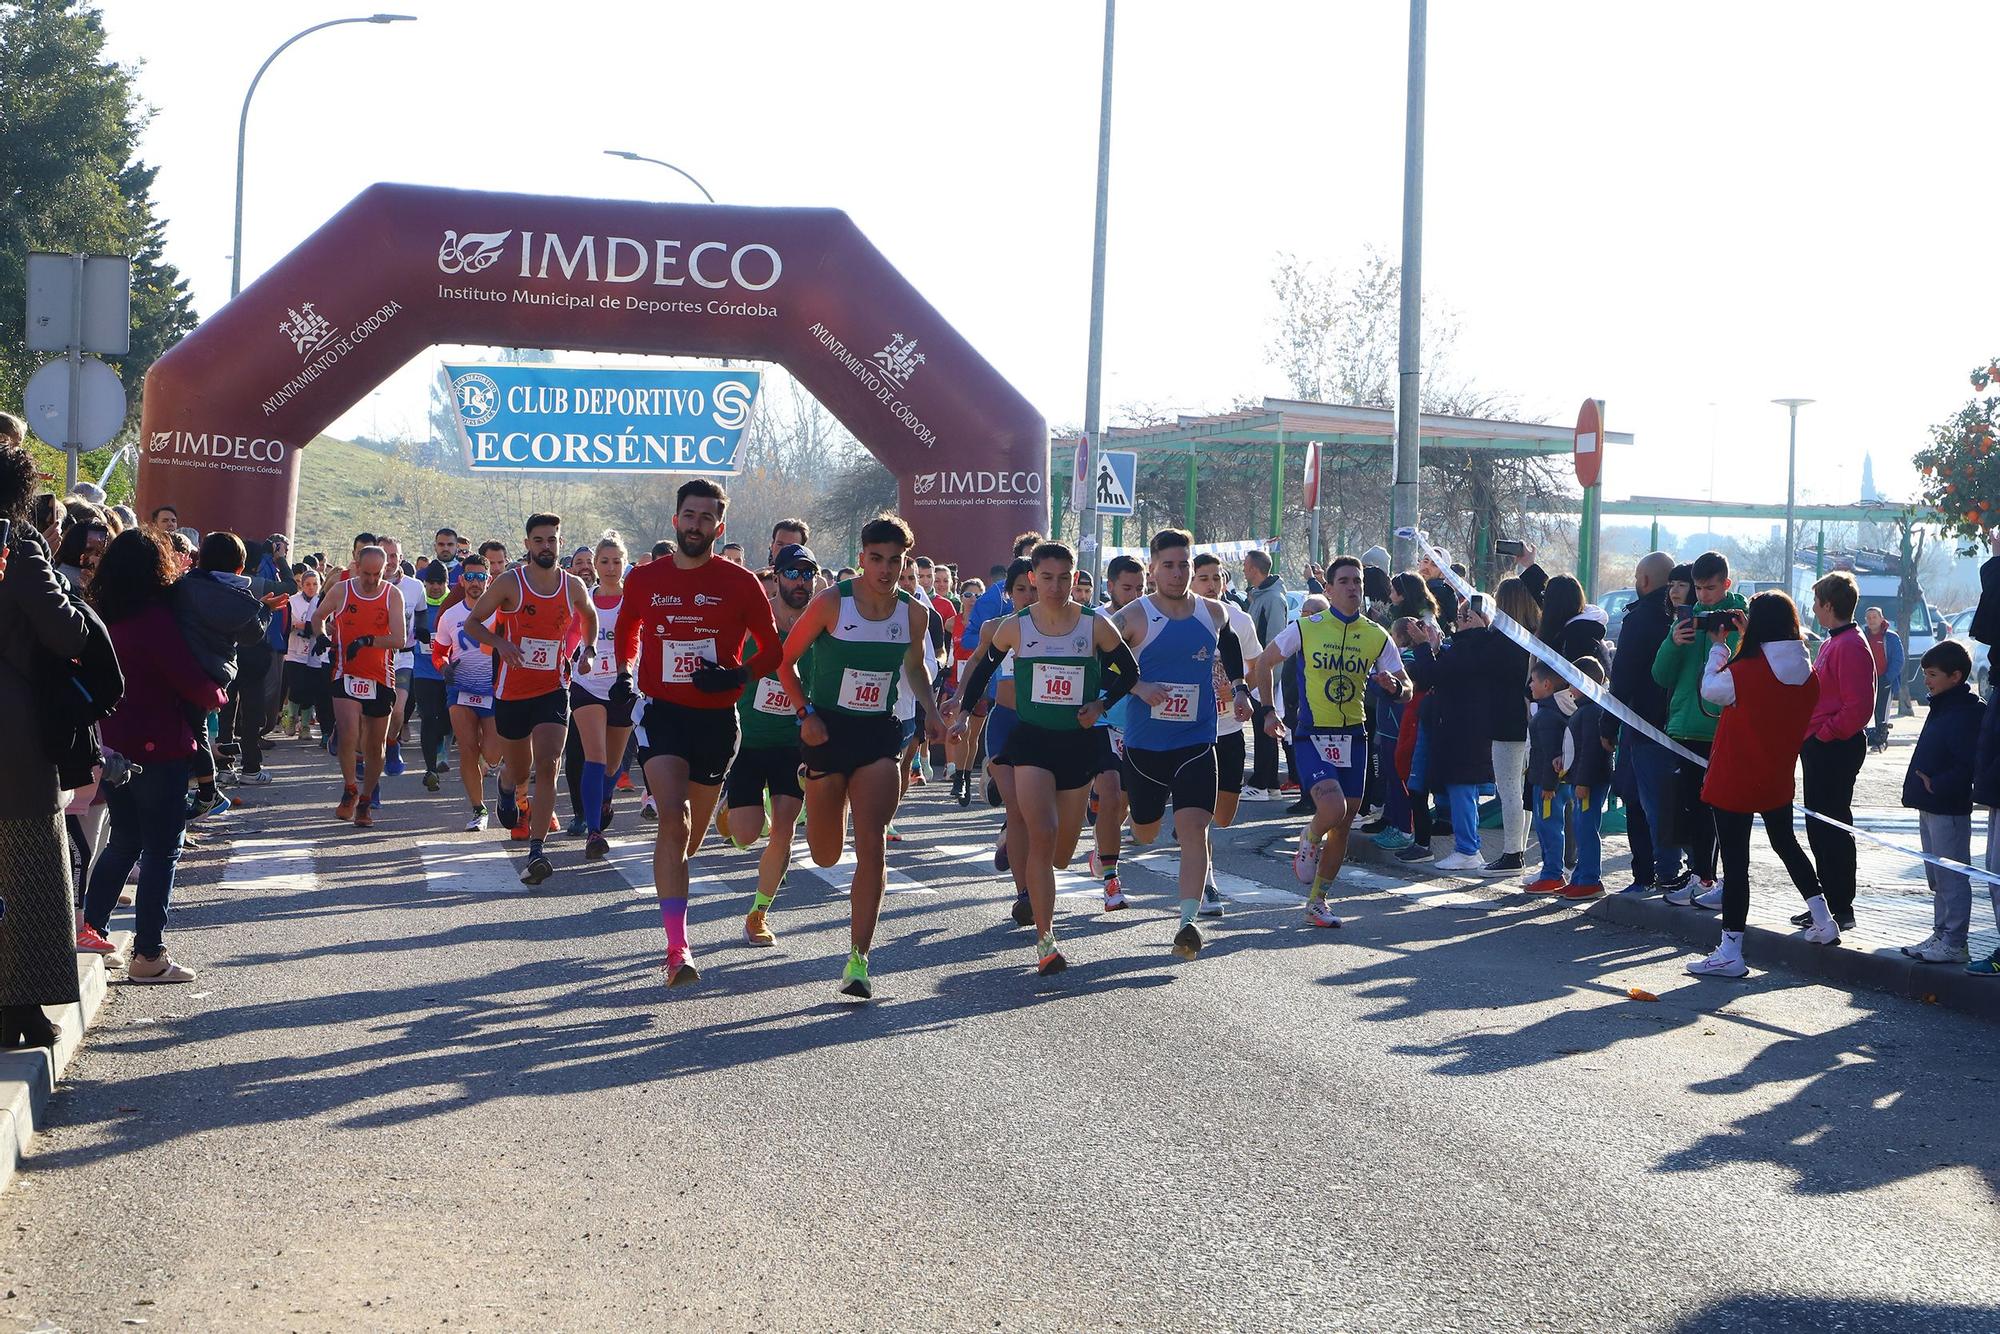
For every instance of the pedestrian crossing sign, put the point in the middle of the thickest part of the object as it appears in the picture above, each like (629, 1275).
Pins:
(1117, 481)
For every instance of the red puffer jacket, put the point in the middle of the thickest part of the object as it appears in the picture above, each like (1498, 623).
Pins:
(1768, 702)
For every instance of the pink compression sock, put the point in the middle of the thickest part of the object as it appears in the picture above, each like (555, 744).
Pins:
(674, 916)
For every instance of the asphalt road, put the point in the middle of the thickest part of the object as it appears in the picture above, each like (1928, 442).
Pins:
(393, 1101)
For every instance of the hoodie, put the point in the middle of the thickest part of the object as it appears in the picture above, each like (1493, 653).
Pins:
(1677, 669)
(1767, 703)
(1547, 731)
(1846, 671)
(1583, 635)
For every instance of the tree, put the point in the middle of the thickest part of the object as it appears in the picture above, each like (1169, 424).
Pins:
(70, 181)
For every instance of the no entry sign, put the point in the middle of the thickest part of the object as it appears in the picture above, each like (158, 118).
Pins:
(1589, 447)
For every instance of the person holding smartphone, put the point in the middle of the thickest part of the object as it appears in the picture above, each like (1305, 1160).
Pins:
(1677, 669)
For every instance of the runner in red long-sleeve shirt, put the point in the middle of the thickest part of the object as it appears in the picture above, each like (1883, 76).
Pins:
(680, 634)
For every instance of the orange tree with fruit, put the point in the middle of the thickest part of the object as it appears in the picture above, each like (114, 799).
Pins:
(1961, 468)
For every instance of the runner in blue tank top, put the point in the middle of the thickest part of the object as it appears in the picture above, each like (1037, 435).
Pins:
(1124, 581)
(1170, 733)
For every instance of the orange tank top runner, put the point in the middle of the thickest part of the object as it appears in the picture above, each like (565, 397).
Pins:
(541, 627)
(361, 617)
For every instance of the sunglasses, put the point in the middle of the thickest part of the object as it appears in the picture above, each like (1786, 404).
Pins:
(472, 578)
(796, 575)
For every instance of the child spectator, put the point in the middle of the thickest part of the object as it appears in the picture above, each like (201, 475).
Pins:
(1588, 777)
(1939, 788)
(1548, 730)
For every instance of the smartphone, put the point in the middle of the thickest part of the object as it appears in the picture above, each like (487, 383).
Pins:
(6, 533)
(1684, 612)
(1509, 546)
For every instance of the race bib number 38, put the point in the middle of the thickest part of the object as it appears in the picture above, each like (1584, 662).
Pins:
(1178, 706)
(1336, 750)
(864, 692)
(1057, 684)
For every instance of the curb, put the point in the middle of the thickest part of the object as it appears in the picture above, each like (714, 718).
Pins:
(1948, 985)
(28, 1076)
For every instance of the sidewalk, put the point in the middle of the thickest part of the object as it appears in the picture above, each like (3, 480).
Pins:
(28, 1077)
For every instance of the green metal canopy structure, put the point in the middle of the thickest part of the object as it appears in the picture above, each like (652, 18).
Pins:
(1281, 423)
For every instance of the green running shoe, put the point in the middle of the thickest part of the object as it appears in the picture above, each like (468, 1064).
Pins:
(854, 982)
(1987, 967)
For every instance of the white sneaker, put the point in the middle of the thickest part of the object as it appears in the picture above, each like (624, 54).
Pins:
(261, 777)
(477, 822)
(1710, 898)
(1211, 903)
(1684, 896)
(1305, 860)
(1257, 794)
(1719, 964)
(1462, 861)
(1940, 952)
(1916, 951)
(1822, 935)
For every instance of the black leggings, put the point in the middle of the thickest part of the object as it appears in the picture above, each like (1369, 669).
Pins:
(1697, 824)
(1732, 830)
(1420, 817)
(427, 697)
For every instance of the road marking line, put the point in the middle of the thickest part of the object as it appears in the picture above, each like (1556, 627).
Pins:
(269, 864)
(839, 877)
(477, 868)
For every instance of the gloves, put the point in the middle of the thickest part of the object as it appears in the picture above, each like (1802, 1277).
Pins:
(711, 679)
(362, 641)
(321, 644)
(621, 689)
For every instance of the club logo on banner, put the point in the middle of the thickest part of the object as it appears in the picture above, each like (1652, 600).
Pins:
(601, 419)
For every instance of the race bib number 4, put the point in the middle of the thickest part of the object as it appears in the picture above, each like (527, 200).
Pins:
(1178, 705)
(1336, 750)
(864, 692)
(540, 654)
(1057, 684)
(679, 658)
(771, 697)
(358, 687)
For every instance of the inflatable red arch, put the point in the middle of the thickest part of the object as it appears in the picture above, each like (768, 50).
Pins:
(229, 408)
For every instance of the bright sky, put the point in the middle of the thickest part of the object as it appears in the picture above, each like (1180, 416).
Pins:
(1686, 217)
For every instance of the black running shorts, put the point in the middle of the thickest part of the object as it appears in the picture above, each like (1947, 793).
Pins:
(381, 706)
(1070, 754)
(620, 715)
(1186, 775)
(517, 719)
(773, 769)
(1229, 761)
(852, 742)
(705, 738)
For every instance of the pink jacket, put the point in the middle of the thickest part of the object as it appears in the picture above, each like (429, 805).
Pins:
(1846, 672)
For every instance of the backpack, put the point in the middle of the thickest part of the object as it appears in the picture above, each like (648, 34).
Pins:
(75, 694)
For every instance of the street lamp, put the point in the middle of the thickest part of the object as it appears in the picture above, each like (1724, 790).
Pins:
(1791, 481)
(634, 157)
(243, 125)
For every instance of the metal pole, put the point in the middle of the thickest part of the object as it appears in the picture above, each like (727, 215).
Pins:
(1409, 406)
(635, 157)
(243, 126)
(1791, 487)
(1187, 505)
(72, 432)
(1093, 557)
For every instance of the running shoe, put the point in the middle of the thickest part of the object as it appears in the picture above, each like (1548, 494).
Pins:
(90, 941)
(364, 818)
(1392, 840)
(200, 804)
(890, 835)
(917, 778)
(965, 790)
(596, 848)
(1507, 862)
(1669, 883)
(578, 827)
(1114, 893)
(1320, 913)
(1305, 859)
(1584, 891)
(1710, 897)
(1211, 902)
(227, 777)
(1373, 827)
(647, 810)
(1911, 950)
(757, 930)
(258, 779)
(430, 780)
(443, 764)
(1822, 935)
(1096, 865)
(392, 762)
(1023, 912)
(537, 870)
(509, 813)
(992, 793)
(854, 982)
(1415, 854)
(345, 810)
(519, 829)
(1683, 896)
(1000, 855)
(1187, 941)
(478, 820)
(624, 783)
(1049, 959)
(604, 816)
(1461, 861)
(375, 797)
(1719, 964)
(1987, 967)
(680, 969)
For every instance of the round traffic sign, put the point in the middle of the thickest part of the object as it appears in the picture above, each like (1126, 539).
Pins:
(101, 404)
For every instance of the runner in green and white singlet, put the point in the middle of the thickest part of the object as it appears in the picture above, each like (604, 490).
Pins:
(867, 640)
(1061, 653)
